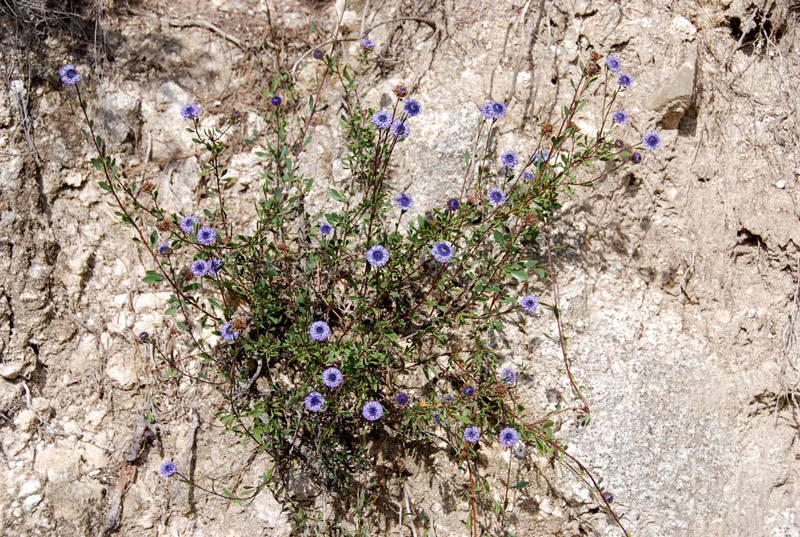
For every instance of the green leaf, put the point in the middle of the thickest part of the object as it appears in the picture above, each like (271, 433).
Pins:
(519, 275)
(338, 196)
(171, 310)
(520, 485)
(152, 277)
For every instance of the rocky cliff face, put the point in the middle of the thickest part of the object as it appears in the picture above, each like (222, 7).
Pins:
(679, 280)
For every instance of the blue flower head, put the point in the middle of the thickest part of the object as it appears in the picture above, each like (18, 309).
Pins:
(608, 497)
(227, 332)
(540, 157)
(509, 436)
(368, 44)
(614, 65)
(377, 256)
(206, 236)
(199, 268)
(469, 391)
(400, 129)
(382, 119)
(621, 117)
(314, 401)
(497, 197)
(325, 228)
(69, 75)
(168, 469)
(527, 176)
(436, 418)
(402, 399)
(165, 248)
(317, 54)
(652, 140)
(413, 107)
(276, 100)
(190, 111)
(189, 223)
(493, 110)
(509, 159)
(509, 376)
(472, 434)
(332, 377)
(214, 265)
(443, 251)
(372, 411)
(636, 157)
(529, 303)
(453, 204)
(404, 201)
(625, 80)
(319, 331)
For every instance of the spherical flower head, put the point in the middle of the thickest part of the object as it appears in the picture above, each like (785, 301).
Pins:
(497, 197)
(540, 157)
(165, 248)
(190, 111)
(652, 140)
(400, 91)
(402, 399)
(625, 80)
(413, 107)
(372, 411)
(319, 331)
(527, 176)
(144, 335)
(317, 54)
(509, 159)
(608, 497)
(382, 119)
(469, 391)
(189, 223)
(472, 434)
(622, 117)
(368, 44)
(168, 469)
(377, 256)
(453, 204)
(636, 157)
(529, 303)
(493, 110)
(199, 268)
(315, 402)
(509, 436)
(276, 100)
(206, 236)
(214, 265)
(436, 418)
(325, 229)
(509, 376)
(618, 144)
(614, 65)
(443, 251)
(69, 75)
(404, 201)
(400, 129)
(448, 398)
(228, 333)
(332, 377)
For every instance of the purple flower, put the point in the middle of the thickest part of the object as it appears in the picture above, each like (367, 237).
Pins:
(472, 434)
(317, 54)
(400, 129)
(332, 377)
(214, 265)
(144, 335)
(190, 111)
(621, 117)
(529, 303)
(493, 110)
(469, 391)
(413, 107)
(443, 251)
(325, 229)
(509, 376)
(614, 64)
(189, 223)
(618, 144)
(227, 333)
(206, 236)
(382, 119)
(368, 44)
(436, 419)
(165, 248)
(652, 140)
(636, 157)
(402, 399)
(276, 100)
(509, 436)
(497, 197)
(625, 80)
(69, 75)
(527, 176)
(509, 159)
(319, 331)
(404, 201)
(608, 497)
(377, 256)
(540, 157)
(314, 401)
(453, 204)
(199, 268)
(168, 469)
(372, 411)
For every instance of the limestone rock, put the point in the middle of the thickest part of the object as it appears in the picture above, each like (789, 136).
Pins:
(671, 101)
